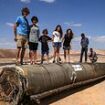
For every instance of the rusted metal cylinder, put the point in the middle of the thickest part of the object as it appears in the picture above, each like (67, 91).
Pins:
(39, 81)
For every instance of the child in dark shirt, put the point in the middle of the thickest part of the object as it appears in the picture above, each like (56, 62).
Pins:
(44, 44)
(66, 44)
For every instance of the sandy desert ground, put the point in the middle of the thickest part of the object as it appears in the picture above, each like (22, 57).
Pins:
(92, 94)
(7, 56)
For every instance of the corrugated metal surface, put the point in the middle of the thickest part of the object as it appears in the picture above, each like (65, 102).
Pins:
(50, 78)
(47, 77)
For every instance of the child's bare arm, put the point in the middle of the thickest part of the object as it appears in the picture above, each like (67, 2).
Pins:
(15, 31)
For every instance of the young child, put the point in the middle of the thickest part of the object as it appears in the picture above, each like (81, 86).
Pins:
(93, 56)
(66, 44)
(44, 44)
(33, 40)
(57, 39)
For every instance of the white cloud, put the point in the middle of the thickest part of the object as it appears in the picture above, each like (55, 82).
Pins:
(25, 1)
(48, 1)
(77, 39)
(100, 39)
(72, 24)
(76, 25)
(10, 24)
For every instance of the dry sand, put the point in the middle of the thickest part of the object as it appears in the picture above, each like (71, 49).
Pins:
(94, 95)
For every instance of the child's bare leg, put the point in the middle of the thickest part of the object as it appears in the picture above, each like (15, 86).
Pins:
(42, 57)
(58, 55)
(31, 57)
(47, 58)
(69, 56)
(65, 55)
(18, 55)
(22, 55)
(35, 56)
(55, 50)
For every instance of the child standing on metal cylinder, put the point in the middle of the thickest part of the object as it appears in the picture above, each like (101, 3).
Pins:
(33, 40)
(57, 42)
(66, 44)
(44, 44)
(21, 31)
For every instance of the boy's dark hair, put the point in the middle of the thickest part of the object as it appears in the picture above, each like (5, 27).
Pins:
(71, 34)
(82, 35)
(25, 9)
(34, 18)
(91, 49)
(61, 32)
(45, 31)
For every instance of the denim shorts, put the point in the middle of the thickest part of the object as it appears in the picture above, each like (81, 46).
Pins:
(57, 44)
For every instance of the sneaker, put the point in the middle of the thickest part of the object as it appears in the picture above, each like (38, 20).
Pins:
(53, 61)
(69, 62)
(41, 62)
(21, 63)
(59, 59)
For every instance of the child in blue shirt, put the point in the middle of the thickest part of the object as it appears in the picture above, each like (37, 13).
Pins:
(21, 31)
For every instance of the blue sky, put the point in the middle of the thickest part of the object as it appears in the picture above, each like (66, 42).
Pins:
(86, 16)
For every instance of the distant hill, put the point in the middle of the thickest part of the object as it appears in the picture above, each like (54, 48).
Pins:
(11, 53)
(7, 53)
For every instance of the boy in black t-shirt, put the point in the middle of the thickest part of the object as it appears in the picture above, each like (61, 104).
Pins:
(44, 44)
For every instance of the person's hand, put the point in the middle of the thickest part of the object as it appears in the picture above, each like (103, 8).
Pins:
(15, 39)
(53, 44)
(28, 42)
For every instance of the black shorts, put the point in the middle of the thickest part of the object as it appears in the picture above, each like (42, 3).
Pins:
(66, 47)
(33, 46)
(45, 52)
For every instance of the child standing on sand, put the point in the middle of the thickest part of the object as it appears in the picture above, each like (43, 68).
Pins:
(33, 40)
(44, 45)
